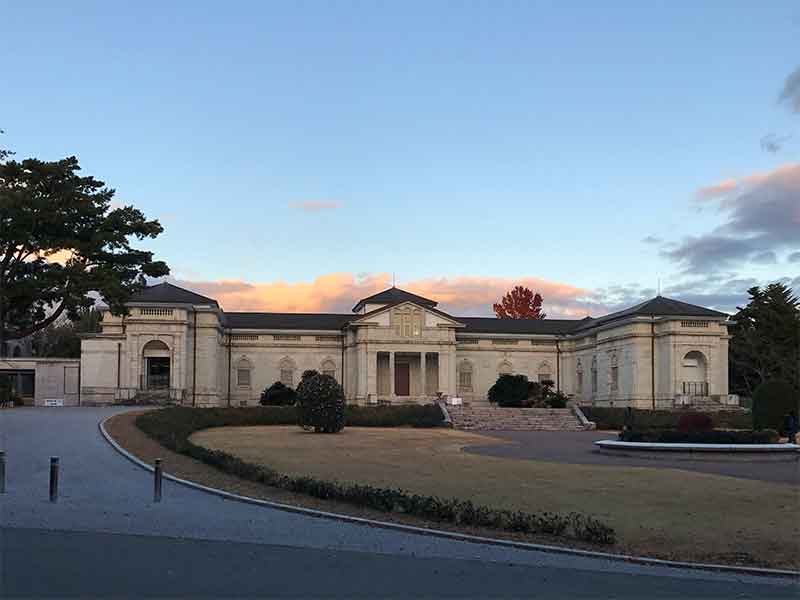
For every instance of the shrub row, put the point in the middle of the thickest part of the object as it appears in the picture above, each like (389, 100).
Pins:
(716, 436)
(173, 422)
(172, 427)
(614, 418)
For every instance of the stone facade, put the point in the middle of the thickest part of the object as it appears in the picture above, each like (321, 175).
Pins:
(396, 347)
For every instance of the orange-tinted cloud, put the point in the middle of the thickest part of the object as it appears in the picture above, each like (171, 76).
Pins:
(314, 205)
(735, 185)
(338, 292)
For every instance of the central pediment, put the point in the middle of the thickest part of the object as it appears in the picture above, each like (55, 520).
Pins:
(407, 319)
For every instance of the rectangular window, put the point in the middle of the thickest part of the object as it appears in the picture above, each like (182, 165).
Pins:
(545, 377)
(579, 381)
(594, 382)
(614, 378)
(287, 377)
(243, 377)
(465, 381)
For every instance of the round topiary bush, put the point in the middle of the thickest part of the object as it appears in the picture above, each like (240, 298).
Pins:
(695, 422)
(278, 395)
(772, 400)
(510, 390)
(320, 400)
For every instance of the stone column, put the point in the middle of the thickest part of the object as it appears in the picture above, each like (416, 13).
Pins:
(372, 374)
(423, 376)
(391, 374)
(452, 388)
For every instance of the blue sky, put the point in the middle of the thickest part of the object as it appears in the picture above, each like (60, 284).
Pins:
(455, 144)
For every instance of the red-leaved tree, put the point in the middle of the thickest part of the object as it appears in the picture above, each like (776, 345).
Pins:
(520, 303)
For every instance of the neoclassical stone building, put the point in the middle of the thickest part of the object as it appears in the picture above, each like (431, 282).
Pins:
(396, 346)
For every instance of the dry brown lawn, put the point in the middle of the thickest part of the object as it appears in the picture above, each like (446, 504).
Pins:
(655, 511)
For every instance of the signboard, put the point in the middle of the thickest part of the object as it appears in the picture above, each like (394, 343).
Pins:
(54, 402)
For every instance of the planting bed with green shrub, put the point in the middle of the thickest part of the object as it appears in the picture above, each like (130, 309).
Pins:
(615, 418)
(172, 428)
(714, 436)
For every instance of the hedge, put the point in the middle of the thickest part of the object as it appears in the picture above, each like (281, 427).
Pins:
(614, 418)
(716, 436)
(172, 427)
(772, 400)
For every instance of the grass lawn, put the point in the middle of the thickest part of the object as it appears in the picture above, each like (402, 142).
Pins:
(657, 512)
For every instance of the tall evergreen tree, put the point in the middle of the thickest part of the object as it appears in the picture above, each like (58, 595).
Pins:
(765, 342)
(61, 238)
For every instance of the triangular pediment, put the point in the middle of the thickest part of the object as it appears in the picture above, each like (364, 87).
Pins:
(382, 315)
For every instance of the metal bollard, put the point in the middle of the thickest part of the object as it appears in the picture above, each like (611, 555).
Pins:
(2, 472)
(53, 478)
(157, 475)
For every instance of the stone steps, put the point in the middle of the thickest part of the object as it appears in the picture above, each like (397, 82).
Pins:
(472, 418)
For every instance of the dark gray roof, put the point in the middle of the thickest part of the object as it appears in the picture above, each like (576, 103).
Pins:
(312, 321)
(517, 326)
(166, 293)
(657, 307)
(392, 296)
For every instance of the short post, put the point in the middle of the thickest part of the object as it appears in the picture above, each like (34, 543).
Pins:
(157, 476)
(53, 478)
(2, 472)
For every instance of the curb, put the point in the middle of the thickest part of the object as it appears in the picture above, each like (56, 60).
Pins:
(464, 537)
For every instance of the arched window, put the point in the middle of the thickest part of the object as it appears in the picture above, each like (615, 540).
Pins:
(614, 385)
(287, 369)
(579, 378)
(465, 377)
(545, 372)
(244, 371)
(505, 368)
(17, 352)
(328, 368)
(694, 369)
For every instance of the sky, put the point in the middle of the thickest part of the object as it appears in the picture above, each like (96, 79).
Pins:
(302, 155)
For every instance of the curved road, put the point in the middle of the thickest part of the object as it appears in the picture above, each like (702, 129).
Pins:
(105, 537)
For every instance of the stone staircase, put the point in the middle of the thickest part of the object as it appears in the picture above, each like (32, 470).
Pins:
(151, 397)
(708, 404)
(490, 418)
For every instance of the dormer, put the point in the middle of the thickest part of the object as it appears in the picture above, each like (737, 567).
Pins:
(393, 295)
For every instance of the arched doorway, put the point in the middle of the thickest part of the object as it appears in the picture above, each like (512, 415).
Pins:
(694, 369)
(156, 357)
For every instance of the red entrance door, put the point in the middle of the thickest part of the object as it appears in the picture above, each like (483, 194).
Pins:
(401, 375)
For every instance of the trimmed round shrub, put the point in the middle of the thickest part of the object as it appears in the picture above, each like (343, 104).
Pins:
(307, 374)
(320, 400)
(772, 401)
(278, 395)
(556, 400)
(510, 390)
(695, 422)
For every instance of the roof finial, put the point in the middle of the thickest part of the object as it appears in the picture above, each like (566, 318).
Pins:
(659, 286)
(392, 278)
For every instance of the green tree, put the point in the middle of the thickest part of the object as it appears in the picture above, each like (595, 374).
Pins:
(765, 342)
(62, 338)
(60, 239)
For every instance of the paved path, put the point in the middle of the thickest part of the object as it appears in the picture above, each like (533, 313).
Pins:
(106, 536)
(576, 447)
